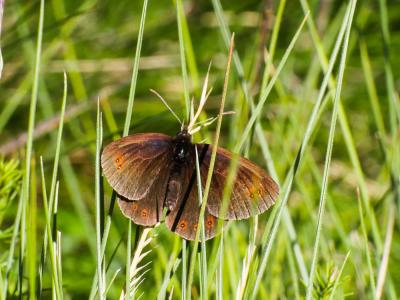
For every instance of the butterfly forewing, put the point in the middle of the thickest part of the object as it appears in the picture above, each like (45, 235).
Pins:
(133, 164)
(253, 192)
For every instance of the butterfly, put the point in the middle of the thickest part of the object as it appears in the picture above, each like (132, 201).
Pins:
(151, 172)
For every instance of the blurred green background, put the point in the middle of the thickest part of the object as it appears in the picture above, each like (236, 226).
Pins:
(94, 42)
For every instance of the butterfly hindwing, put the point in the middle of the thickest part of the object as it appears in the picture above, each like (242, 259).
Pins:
(147, 211)
(183, 219)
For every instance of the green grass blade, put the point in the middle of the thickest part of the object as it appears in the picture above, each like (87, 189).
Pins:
(135, 70)
(32, 108)
(184, 279)
(371, 272)
(99, 205)
(338, 276)
(329, 151)
(349, 141)
(53, 259)
(211, 167)
(31, 235)
(260, 134)
(179, 15)
(383, 268)
(292, 172)
(393, 101)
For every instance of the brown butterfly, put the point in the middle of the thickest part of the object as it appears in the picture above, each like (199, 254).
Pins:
(153, 171)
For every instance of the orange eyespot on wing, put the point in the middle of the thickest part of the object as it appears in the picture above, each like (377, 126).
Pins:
(145, 212)
(210, 222)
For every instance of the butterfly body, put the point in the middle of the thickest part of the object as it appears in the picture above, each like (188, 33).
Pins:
(153, 171)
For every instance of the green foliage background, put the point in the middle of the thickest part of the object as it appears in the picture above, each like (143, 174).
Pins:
(94, 43)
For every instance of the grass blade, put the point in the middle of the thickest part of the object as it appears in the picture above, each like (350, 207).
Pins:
(99, 205)
(211, 168)
(383, 268)
(135, 70)
(329, 150)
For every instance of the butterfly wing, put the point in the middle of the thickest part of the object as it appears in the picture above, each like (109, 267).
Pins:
(183, 219)
(146, 211)
(134, 164)
(253, 192)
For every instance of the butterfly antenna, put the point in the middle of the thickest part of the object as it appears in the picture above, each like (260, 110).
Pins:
(208, 121)
(166, 104)
(203, 99)
(192, 109)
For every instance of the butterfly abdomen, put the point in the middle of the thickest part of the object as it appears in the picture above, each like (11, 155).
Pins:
(173, 192)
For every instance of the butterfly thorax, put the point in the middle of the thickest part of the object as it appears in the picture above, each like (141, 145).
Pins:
(182, 145)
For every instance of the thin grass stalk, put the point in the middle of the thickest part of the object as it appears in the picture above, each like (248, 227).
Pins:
(70, 54)
(286, 215)
(53, 259)
(371, 88)
(179, 15)
(99, 204)
(255, 113)
(1, 21)
(1, 286)
(251, 122)
(113, 277)
(59, 257)
(54, 174)
(58, 142)
(9, 107)
(338, 276)
(265, 93)
(26, 184)
(10, 259)
(219, 274)
(329, 150)
(128, 262)
(393, 101)
(136, 61)
(247, 261)
(391, 163)
(272, 44)
(190, 56)
(57, 238)
(104, 239)
(32, 107)
(293, 170)
(383, 268)
(186, 294)
(346, 131)
(184, 269)
(211, 167)
(260, 134)
(31, 234)
(128, 118)
(172, 263)
(203, 252)
(371, 272)
(293, 271)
